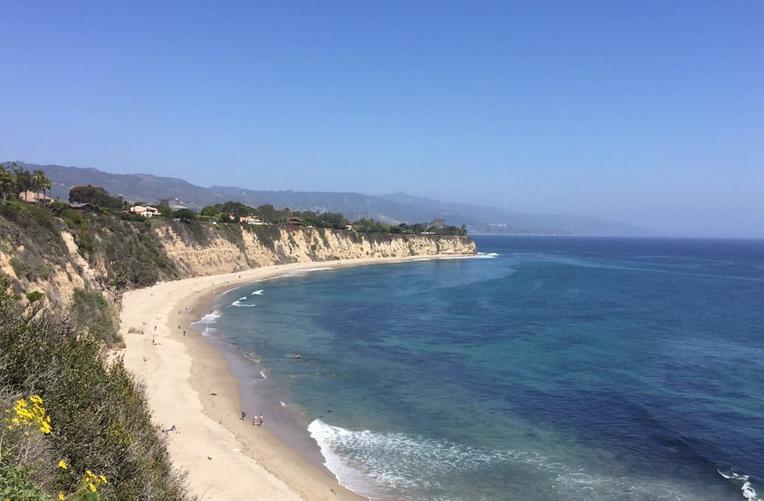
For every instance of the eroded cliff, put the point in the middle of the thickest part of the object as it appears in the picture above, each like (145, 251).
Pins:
(84, 261)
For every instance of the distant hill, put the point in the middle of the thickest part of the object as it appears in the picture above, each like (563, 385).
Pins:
(393, 208)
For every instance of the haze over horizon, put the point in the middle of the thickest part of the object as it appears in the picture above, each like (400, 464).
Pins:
(650, 113)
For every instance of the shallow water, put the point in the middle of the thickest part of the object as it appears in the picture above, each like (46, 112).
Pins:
(548, 368)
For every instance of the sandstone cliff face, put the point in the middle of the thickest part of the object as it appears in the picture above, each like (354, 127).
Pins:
(104, 255)
(275, 245)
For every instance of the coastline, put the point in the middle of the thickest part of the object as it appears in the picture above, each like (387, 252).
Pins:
(190, 385)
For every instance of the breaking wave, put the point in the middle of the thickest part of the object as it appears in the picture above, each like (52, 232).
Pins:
(368, 462)
(209, 318)
(486, 255)
(258, 292)
(238, 303)
(745, 485)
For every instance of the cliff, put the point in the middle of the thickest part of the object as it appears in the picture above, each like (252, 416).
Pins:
(239, 248)
(84, 261)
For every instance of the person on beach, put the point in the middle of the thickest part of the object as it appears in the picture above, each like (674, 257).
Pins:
(243, 415)
(261, 420)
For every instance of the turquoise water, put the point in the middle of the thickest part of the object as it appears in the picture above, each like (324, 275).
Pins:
(546, 368)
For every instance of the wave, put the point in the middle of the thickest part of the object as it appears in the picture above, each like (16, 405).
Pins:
(486, 255)
(257, 292)
(209, 318)
(208, 331)
(238, 303)
(368, 462)
(746, 488)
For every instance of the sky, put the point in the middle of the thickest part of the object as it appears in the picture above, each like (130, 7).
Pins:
(647, 112)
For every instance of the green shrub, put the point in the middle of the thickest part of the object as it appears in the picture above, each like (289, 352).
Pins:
(15, 485)
(27, 264)
(99, 415)
(91, 312)
(34, 296)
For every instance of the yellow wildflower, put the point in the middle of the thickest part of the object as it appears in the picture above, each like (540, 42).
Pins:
(61, 496)
(63, 465)
(93, 481)
(24, 414)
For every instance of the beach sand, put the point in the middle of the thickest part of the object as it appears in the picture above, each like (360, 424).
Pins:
(189, 386)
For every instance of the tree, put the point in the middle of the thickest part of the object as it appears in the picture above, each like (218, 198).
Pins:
(23, 178)
(7, 183)
(41, 182)
(164, 208)
(212, 211)
(95, 195)
(185, 215)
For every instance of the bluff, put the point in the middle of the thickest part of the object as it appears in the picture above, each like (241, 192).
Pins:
(84, 260)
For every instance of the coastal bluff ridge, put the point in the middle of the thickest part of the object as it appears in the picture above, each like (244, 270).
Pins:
(85, 261)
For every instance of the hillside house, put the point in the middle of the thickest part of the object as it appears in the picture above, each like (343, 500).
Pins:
(255, 221)
(144, 210)
(34, 197)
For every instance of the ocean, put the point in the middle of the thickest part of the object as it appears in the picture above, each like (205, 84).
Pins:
(543, 368)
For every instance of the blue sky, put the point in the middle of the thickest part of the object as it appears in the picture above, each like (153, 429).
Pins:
(650, 112)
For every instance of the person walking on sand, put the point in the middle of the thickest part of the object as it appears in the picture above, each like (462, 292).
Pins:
(243, 415)
(261, 420)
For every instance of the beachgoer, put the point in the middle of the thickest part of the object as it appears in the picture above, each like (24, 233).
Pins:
(184, 332)
(261, 420)
(243, 415)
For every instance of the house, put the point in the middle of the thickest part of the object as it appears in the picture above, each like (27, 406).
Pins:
(253, 220)
(144, 210)
(34, 197)
(295, 221)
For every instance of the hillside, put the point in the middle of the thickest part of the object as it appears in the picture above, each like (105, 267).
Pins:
(393, 208)
(59, 251)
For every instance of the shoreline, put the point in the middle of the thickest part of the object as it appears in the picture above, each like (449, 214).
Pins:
(190, 385)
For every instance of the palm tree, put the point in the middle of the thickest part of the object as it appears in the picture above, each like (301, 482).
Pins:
(41, 182)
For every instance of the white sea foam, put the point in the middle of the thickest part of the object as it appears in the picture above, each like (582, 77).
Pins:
(746, 488)
(257, 292)
(486, 255)
(208, 331)
(209, 318)
(238, 303)
(366, 461)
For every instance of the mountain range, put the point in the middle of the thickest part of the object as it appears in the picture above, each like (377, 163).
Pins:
(392, 208)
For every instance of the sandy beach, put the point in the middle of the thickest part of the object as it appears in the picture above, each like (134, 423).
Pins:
(189, 386)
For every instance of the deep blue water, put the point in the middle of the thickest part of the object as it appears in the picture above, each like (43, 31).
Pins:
(560, 368)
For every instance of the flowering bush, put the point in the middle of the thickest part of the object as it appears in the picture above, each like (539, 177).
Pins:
(29, 413)
(29, 416)
(65, 411)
